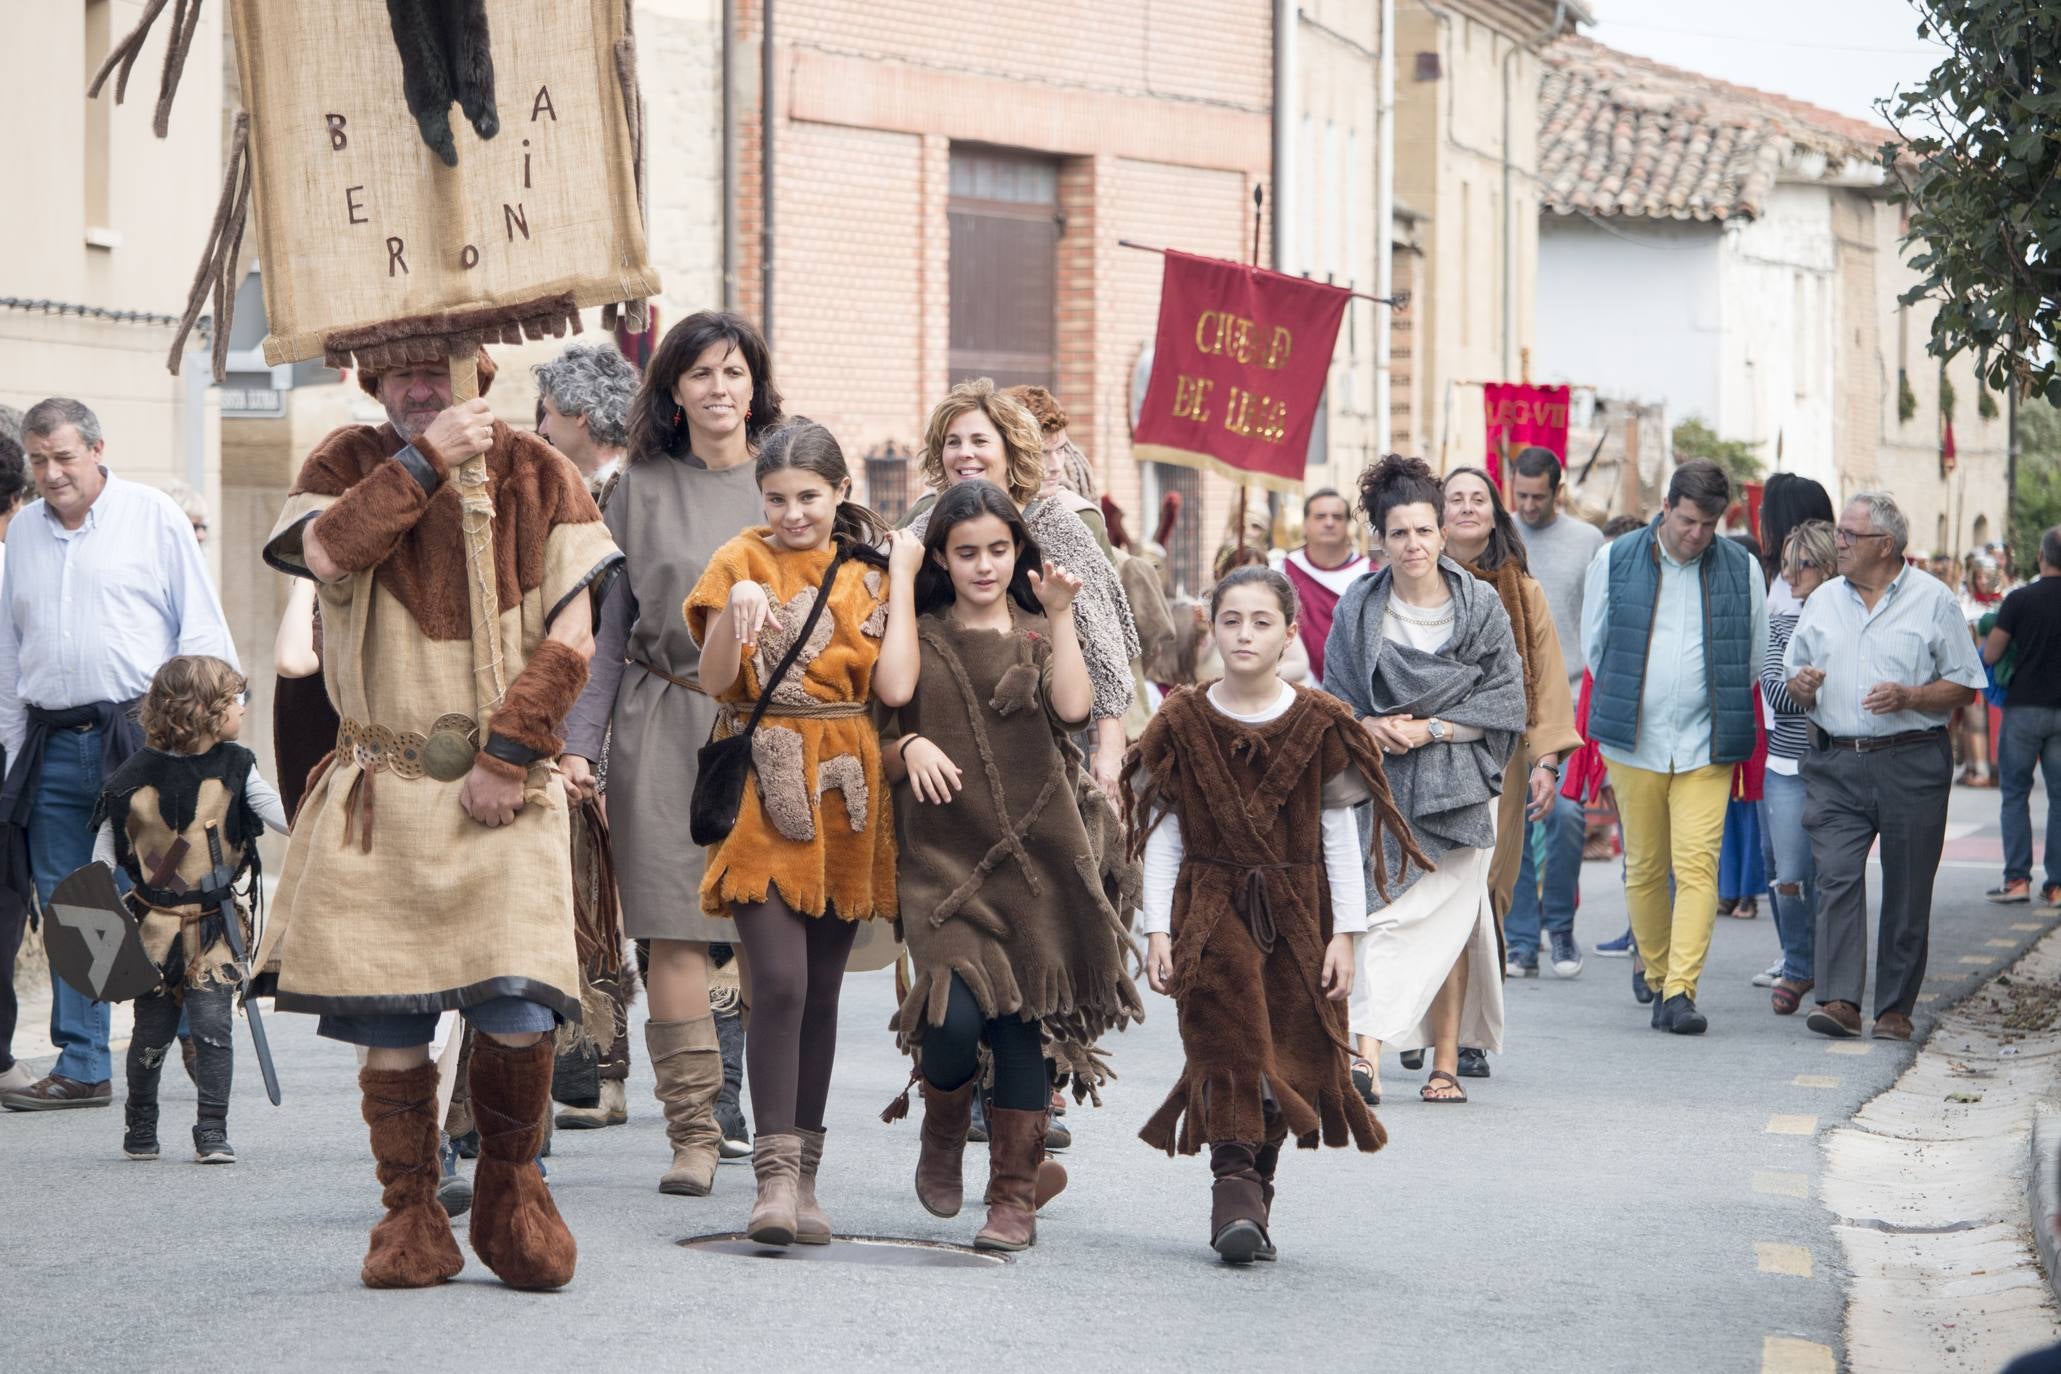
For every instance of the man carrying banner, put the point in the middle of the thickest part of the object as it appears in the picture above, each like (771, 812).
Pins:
(429, 866)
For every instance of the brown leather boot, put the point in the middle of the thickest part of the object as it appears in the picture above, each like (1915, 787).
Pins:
(687, 1059)
(776, 1160)
(941, 1162)
(1016, 1144)
(516, 1228)
(412, 1246)
(1238, 1204)
(811, 1226)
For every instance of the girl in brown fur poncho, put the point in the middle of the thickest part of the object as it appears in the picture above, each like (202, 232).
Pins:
(1252, 897)
(1013, 937)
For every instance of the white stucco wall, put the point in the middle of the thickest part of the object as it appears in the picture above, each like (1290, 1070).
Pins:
(1777, 363)
(1638, 314)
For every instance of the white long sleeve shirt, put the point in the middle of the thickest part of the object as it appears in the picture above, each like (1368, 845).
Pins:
(91, 614)
(1344, 861)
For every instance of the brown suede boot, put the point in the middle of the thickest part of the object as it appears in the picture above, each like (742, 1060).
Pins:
(776, 1160)
(811, 1226)
(1264, 1163)
(412, 1246)
(941, 1160)
(1016, 1144)
(1238, 1210)
(688, 1061)
(516, 1228)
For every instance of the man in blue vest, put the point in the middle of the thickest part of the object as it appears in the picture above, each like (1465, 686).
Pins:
(1674, 624)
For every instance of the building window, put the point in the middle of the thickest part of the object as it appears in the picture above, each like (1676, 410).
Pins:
(1184, 550)
(99, 129)
(1004, 217)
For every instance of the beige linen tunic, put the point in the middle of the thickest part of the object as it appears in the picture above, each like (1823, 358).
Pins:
(436, 911)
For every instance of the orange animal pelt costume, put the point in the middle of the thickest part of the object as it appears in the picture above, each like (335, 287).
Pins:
(817, 739)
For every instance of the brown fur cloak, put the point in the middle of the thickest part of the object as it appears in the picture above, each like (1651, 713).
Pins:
(1252, 915)
(1005, 885)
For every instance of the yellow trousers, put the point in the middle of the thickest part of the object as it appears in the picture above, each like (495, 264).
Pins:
(1674, 823)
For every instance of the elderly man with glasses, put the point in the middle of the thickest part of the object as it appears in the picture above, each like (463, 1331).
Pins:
(1881, 660)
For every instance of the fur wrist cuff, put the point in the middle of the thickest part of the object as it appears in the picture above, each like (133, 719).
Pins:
(539, 698)
(514, 772)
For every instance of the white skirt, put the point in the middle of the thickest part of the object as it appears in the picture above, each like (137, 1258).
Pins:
(1403, 959)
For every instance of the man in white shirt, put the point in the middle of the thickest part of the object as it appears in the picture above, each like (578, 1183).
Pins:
(104, 582)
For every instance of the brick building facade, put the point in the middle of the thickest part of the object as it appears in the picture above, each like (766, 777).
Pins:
(916, 151)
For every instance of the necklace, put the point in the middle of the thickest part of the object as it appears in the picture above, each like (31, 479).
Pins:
(1417, 615)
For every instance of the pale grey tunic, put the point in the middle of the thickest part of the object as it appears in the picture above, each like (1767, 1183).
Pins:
(668, 515)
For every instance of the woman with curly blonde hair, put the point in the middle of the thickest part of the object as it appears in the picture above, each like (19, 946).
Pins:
(977, 432)
(153, 821)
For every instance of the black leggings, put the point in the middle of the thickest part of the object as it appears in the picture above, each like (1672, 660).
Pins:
(951, 1052)
(797, 972)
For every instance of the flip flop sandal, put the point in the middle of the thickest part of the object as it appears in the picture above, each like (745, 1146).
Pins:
(1440, 1074)
(1787, 995)
(1363, 1080)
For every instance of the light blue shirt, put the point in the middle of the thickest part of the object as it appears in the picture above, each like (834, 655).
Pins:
(91, 614)
(1916, 635)
(1674, 701)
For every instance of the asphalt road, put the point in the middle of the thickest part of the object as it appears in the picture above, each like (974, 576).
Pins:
(1596, 1207)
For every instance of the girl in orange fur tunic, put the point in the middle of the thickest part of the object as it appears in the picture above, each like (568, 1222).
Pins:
(799, 870)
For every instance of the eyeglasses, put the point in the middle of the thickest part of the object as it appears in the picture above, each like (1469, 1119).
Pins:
(1846, 536)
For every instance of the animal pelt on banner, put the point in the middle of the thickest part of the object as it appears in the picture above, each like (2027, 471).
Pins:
(445, 56)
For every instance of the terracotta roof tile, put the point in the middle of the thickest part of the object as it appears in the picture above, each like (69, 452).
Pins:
(1627, 136)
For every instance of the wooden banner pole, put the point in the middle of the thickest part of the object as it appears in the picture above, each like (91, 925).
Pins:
(477, 505)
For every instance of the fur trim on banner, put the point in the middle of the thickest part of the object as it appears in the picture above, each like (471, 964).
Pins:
(432, 338)
(185, 23)
(218, 274)
(539, 698)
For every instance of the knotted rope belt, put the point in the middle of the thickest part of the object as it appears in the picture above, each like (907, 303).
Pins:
(1251, 901)
(814, 710)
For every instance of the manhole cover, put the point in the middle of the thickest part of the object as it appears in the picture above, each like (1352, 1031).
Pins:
(883, 1250)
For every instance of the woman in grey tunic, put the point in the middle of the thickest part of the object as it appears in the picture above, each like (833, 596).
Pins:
(687, 489)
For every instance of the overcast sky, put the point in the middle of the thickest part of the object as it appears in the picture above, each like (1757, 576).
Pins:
(1842, 54)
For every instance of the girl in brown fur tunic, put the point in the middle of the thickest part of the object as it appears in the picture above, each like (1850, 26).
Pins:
(1252, 897)
(1013, 937)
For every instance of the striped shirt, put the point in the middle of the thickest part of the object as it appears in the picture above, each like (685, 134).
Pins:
(1789, 730)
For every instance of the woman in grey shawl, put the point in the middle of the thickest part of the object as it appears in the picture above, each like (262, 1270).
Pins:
(1423, 653)
(977, 431)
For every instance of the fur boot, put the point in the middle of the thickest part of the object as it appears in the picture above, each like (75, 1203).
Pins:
(412, 1246)
(1238, 1207)
(811, 1226)
(516, 1228)
(1016, 1145)
(940, 1163)
(688, 1062)
(776, 1159)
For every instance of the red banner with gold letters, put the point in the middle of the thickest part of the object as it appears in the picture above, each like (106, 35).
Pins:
(1520, 415)
(1238, 370)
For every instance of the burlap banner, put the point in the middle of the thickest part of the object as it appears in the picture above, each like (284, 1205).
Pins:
(362, 225)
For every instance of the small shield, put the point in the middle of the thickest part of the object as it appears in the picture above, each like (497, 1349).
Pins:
(92, 940)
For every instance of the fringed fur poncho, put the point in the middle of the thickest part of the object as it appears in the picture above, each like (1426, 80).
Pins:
(1007, 885)
(1252, 914)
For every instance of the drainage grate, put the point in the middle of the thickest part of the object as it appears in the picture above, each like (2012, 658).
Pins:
(878, 1250)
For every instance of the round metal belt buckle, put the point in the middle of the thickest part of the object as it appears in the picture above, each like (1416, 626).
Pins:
(447, 755)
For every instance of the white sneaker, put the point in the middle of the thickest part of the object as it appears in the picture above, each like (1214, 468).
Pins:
(17, 1078)
(1767, 979)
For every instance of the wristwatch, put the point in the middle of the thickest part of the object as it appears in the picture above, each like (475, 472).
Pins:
(1437, 729)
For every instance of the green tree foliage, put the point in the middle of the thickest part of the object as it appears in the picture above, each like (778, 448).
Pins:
(2039, 482)
(1977, 160)
(1695, 439)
